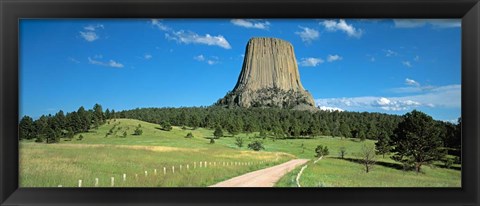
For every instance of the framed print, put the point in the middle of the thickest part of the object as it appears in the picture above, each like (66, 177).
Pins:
(239, 102)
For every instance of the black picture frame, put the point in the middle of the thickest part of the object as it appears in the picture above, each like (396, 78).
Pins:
(12, 10)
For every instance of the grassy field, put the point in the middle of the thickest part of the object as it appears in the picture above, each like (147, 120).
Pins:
(335, 172)
(100, 156)
(97, 156)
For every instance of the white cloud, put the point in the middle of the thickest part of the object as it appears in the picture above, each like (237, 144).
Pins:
(89, 33)
(89, 36)
(411, 82)
(193, 38)
(251, 23)
(330, 109)
(189, 37)
(157, 23)
(110, 63)
(448, 96)
(332, 58)
(341, 25)
(147, 56)
(93, 27)
(310, 62)
(390, 53)
(199, 57)
(210, 61)
(307, 34)
(115, 64)
(436, 23)
(407, 63)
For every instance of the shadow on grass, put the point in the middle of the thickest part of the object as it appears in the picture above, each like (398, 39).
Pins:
(451, 167)
(385, 164)
(395, 165)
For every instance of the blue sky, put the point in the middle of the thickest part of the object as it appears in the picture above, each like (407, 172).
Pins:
(388, 66)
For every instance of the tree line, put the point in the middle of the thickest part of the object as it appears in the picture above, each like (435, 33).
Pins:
(51, 128)
(275, 122)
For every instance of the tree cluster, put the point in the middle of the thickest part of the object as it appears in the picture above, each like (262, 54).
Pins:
(50, 128)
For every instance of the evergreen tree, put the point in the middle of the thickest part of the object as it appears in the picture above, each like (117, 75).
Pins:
(26, 128)
(382, 146)
(416, 140)
(218, 132)
(108, 115)
(98, 115)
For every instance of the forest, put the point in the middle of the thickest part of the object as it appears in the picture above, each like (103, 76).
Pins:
(274, 123)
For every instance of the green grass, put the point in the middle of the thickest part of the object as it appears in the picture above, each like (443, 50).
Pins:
(97, 156)
(44, 165)
(333, 171)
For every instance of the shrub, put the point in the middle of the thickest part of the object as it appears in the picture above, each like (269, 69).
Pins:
(212, 140)
(321, 151)
(166, 126)
(239, 141)
(343, 151)
(218, 132)
(80, 137)
(256, 145)
(38, 139)
(138, 131)
(448, 162)
(189, 135)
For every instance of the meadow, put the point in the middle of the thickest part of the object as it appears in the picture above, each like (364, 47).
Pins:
(97, 156)
(100, 156)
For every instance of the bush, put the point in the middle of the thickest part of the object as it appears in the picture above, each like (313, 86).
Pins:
(218, 132)
(38, 139)
(321, 151)
(138, 131)
(448, 162)
(166, 126)
(80, 137)
(189, 135)
(343, 151)
(124, 134)
(212, 140)
(239, 141)
(256, 145)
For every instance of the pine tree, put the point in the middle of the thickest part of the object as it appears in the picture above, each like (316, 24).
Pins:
(218, 132)
(416, 140)
(26, 128)
(382, 146)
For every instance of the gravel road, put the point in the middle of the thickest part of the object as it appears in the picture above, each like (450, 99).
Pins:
(262, 178)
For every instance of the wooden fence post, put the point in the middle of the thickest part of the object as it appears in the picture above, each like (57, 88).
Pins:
(112, 181)
(96, 182)
(79, 183)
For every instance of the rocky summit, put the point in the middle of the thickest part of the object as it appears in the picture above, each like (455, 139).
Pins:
(269, 78)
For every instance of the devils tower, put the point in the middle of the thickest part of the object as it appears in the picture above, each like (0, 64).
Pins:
(269, 78)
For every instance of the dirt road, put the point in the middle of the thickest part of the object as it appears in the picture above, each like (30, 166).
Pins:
(262, 178)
